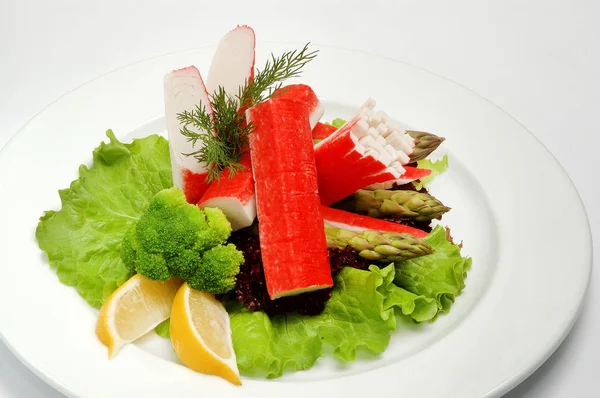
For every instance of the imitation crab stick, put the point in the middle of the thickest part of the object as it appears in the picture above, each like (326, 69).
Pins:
(184, 90)
(410, 174)
(234, 196)
(355, 222)
(368, 149)
(232, 67)
(292, 239)
(305, 96)
(233, 62)
(322, 131)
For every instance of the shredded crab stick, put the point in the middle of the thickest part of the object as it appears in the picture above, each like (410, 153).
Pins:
(370, 148)
(234, 196)
(355, 222)
(232, 67)
(307, 97)
(233, 62)
(184, 90)
(292, 239)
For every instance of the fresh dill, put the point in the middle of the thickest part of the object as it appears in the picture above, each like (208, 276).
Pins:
(223, 137)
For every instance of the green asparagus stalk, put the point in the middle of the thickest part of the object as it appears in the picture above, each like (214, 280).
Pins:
(377, 246)
(425, 143)
(383, 203)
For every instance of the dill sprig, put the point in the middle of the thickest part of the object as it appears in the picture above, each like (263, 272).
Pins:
(271, 77)
(223, 137)
(227, 138)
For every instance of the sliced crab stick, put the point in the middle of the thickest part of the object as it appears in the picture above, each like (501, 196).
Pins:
(232, 68)
(368, 149)
(233, 63)
(184, 90)
(234, 196)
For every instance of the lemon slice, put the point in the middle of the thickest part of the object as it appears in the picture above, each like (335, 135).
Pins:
(133, 310)
(201, 334)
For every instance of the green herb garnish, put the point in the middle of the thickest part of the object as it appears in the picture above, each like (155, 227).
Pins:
(225, 148)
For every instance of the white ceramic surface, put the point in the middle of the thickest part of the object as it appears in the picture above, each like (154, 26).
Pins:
(509, 319)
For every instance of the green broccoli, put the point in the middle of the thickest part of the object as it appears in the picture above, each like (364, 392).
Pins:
(174, 238)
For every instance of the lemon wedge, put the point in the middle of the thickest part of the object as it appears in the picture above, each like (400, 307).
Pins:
(133, 310)
(201, 334)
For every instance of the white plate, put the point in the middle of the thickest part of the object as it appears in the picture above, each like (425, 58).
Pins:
(516, 210)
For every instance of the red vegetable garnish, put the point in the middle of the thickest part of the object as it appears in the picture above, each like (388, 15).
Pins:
(251, 288)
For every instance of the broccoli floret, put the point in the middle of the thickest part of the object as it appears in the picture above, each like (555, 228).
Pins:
(217, 270)
(174, 238)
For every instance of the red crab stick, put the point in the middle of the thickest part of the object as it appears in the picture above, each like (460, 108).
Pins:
(184, 90)
(323, 130)
(305, 96)
(411, 174)
(367, 150)
(234, 196)
(232, 67)
(355, 222)
(292, 238)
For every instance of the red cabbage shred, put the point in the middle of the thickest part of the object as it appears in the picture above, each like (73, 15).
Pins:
(251, 289)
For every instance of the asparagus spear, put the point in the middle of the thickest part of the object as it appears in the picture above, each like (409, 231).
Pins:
(373, 245)
(425, 143)
(383, 203)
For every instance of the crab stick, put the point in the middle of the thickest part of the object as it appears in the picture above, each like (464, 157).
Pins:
(232, 67)
(307, 97)
(292, 238)
(183, 91)
(368, 149)
(234, 196)
(355, 222)
(411, 174)
(233, 62)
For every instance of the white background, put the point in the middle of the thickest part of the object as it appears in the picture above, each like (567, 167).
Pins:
(537, 60)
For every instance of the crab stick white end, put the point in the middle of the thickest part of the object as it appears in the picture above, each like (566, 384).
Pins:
(240, 213)
(234, 196)
(183, 91)
(233, 62)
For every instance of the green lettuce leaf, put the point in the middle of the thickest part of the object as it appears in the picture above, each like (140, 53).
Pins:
(164, 329)
(437, 168)
(83, 239)
(439, 276)
(360, 313)
(338, 122)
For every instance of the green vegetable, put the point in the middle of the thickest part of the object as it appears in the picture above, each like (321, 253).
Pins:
(337, 123)
(425, 143)
(164, 329)
(83, 239)
(439, 276)
(377, 246)
(382, 202)
(437, 168)
(360, 313)
(175, 238)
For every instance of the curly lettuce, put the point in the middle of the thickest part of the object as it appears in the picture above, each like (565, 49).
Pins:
(83, 239)
(439, 276)
(360, 313)
(437, 167)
